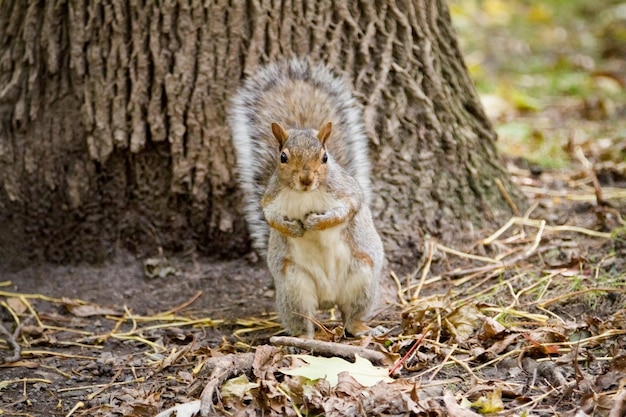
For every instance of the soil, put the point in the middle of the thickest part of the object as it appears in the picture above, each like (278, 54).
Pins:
(229, 290)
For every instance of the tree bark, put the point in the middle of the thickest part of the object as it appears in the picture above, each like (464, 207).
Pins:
(113, 133)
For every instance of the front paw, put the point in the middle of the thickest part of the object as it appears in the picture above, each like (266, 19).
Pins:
(313, 220)
(323, 221)
(294, 228)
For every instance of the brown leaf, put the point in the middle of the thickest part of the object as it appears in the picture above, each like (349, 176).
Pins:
(266, 361)
(618, 363)
(17, 305)
(455, 410)
(502, 345)
(491, 329)
(610, 380)
(81, 310)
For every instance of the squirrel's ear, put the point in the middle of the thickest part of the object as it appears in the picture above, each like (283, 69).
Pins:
(280, 134)
(324, 132)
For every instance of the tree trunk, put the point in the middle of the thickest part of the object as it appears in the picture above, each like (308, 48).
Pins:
(113, 133)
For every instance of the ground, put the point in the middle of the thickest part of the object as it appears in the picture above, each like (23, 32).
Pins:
(528, 320)
(532, 322)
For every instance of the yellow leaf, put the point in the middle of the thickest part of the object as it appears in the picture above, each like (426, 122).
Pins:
(490, 403)
(238, 387)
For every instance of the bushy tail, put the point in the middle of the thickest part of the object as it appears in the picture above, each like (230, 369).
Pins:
(249, 120)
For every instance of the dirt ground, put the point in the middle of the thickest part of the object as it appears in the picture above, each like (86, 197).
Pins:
(135, 337)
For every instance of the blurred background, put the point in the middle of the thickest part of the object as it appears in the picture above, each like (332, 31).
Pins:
(552, 77)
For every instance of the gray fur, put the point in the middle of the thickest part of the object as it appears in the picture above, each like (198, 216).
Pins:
(250, 119)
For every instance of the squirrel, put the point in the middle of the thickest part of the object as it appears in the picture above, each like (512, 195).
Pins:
(303, 167)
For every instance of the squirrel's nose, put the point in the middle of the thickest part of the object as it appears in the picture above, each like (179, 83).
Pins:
(306, 178)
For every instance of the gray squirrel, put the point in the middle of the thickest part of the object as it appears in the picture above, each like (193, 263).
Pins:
(303, 166)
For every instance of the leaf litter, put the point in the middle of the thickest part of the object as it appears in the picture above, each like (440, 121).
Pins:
(529, 320)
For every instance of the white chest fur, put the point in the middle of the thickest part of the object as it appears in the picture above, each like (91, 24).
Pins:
(298, 204)
(325, 255)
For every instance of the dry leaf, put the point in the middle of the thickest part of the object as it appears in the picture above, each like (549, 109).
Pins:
(455, 410)
(17, 305)
(462, 322)
(80, 310)
(238, 387)
(361, 370)
(182, 410)
(490, 403)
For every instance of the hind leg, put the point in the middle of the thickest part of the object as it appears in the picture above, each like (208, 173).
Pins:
(357, 298)
(296, 301)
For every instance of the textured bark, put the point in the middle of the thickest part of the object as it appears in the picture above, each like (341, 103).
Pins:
(113, 133)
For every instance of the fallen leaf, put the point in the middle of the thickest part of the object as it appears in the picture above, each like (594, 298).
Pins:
(490, 403)
(238, 387)
(17, 305)
(80, 310)
(491, 329)
(361, 370)
(182, 410)
(462, 322)
(455, 410)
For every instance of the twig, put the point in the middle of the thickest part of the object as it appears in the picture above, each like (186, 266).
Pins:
(607, 192)
(329, 348)
(107, 386)
(538, 223)
(221, 369)
(443, 362)
(588, 167)
(507, 196)
(184, 304)
(466, 255)
(425, 270)
(411, 350)
(398, 288)
(476, 379)
(12, 341)
(78, 405)
(535, 244)
(534, 402)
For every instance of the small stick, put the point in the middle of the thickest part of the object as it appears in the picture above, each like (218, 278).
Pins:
(398, 288)
(443, 363)
(222, 368)
(184, 304)
(538, 223)
(588, 166)
(411, 350)
(78, 405)
(507, 196)
(580, 292)
(535, 244)
(425, 270)
(12, 341)
(466, 255)
(17, 350)
(329, 348)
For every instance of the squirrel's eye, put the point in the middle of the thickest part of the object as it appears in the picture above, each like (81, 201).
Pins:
(283, 158)
(325, 158)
